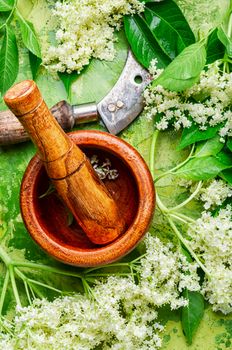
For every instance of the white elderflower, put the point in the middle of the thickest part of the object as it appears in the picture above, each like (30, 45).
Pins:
(215, 193)
(85, 30)
(211, 239)
(164, 274)
(153, 70)
(212, 96)
(122, 316)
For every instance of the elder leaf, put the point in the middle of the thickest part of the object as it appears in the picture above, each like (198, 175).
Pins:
(192, 314)
(169, 27)
(215, 49)
(142, 43)
(9, 60)
(184, 70)
(209, 148)
(28, 35)
(194, 134)
(35, 63)
(6, 5)
(203, 168)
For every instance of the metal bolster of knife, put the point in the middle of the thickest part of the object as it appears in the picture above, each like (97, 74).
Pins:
(67, 115)
(85, 113)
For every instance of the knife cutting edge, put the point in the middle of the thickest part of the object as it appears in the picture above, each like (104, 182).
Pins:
(117, 109)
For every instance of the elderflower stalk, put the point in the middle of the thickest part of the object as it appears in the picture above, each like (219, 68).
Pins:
(47, 269)
(172, 171)
(14, 286)
(4, 290)
(168, 212)
(181, 238)
(180, 216)
(193, 195)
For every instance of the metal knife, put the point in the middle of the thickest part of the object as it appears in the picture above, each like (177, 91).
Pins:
(117, 109)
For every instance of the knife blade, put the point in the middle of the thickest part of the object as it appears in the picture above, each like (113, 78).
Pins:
(117, 109)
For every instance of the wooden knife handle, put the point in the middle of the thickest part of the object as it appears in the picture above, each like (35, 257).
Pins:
(67, 166)
(12, 131)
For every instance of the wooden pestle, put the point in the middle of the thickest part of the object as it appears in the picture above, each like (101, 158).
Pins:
(67, 166)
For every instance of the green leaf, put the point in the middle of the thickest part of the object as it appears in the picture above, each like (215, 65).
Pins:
(142, 42)
(3, 18)
(186, 254)
(28, 35)
(203, 168)
(192, 314)
(226, 175)
(169, 27)
(184, 70)
(6, 5)
(209, 148)
(229, 144)
(67, 80)
(226, 41)
(193, 134)
(35, 63)
(225, 157)
(215, 49)
(9, 60)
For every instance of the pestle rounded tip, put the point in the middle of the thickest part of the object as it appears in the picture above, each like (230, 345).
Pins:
(22, 98)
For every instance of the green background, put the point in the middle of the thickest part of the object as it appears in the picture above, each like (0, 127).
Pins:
(215, 331)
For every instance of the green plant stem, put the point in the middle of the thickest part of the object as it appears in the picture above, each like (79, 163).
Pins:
(172, 171)
(32, 291)
(30, 280)
(4, 289)
(5, 257)
(193, 195)
(27, 293)
(87, 271)
(87, 289)
(229, 28)
(46, 268)
(107, 274)
(160, 204)
(181, 238)
(14, 286)
(152, 152)
(185, 217)
(178, 218)
(7, 329)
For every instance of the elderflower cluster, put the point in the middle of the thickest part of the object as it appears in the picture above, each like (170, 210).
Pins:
(86, 29)
(207, 103)
(215, 193)
(211, 239)
(121, 316)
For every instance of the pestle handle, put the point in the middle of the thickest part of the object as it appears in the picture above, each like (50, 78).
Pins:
(67, 166)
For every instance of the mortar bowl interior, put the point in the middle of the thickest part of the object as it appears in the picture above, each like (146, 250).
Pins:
(52, 226)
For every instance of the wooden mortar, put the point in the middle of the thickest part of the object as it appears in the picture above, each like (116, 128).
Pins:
(67, 166)
(47, 219)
